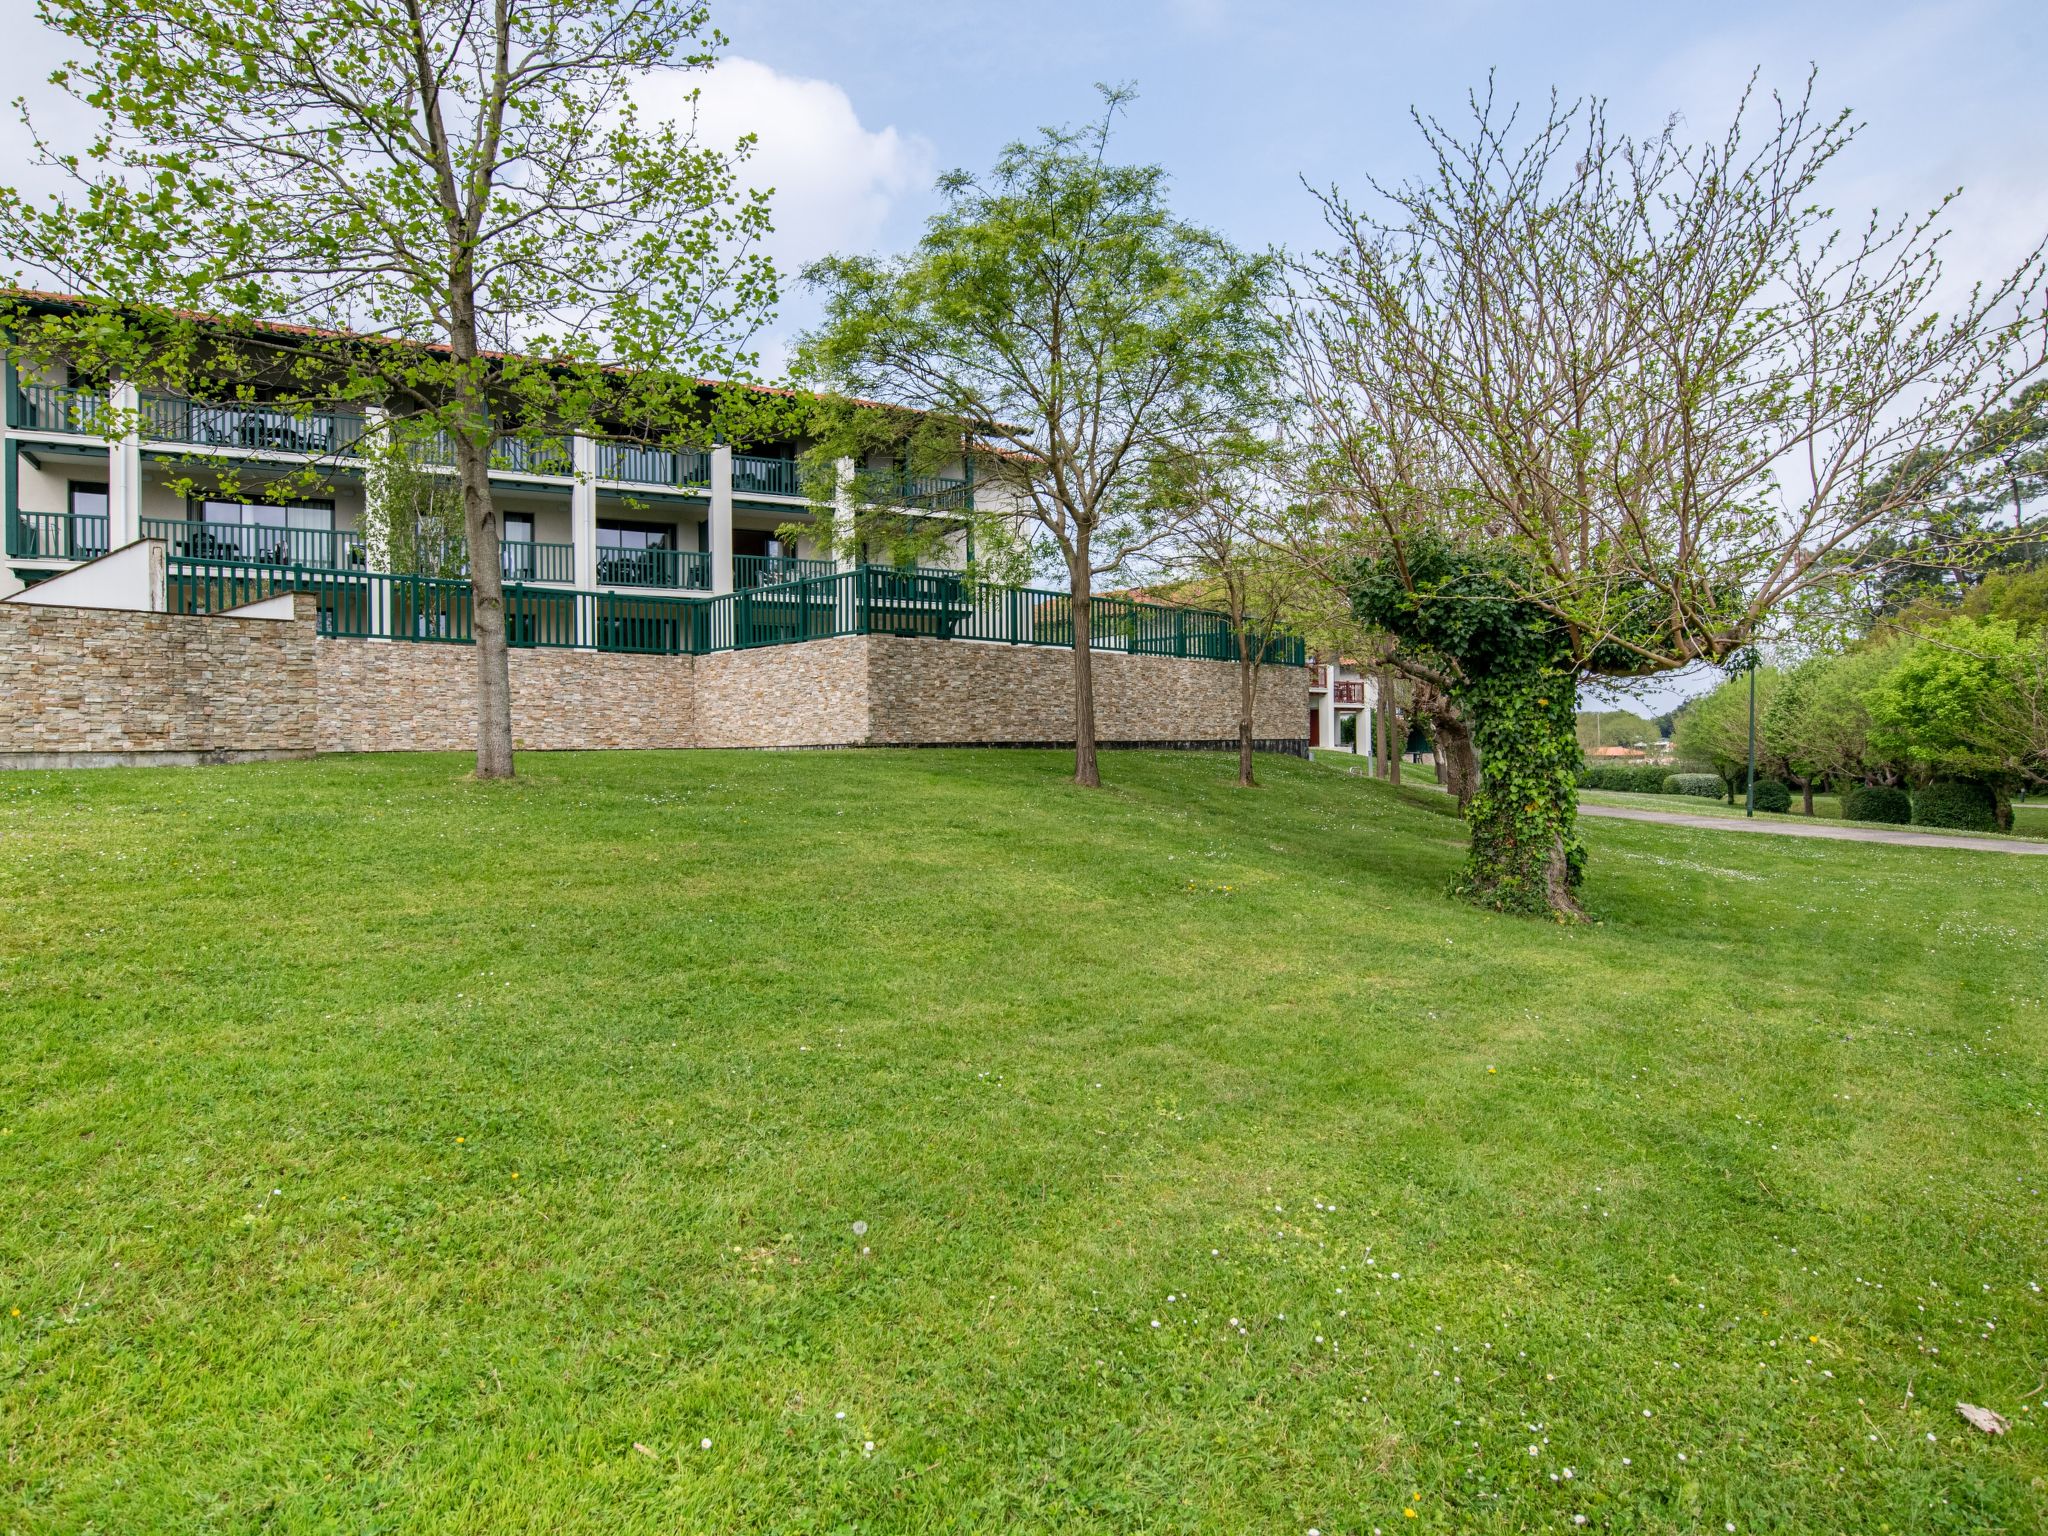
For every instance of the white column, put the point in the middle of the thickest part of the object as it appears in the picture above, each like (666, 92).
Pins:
(720, 526)
(1326, 705)
(124, 468)
(842, 515)
(375, 526)
(583, 510)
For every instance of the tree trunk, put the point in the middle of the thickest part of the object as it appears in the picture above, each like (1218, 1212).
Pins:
(1247, 706)
(1087, 772)
(1397, 734)
(487, 606)
(1526, 855)
(1806, 795)
(1457, 768)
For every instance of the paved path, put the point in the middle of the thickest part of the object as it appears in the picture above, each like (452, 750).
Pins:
(1838, 834)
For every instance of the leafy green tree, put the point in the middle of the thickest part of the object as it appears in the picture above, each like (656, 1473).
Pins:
(1057, 315)
(1615, 728)
(1640, 389)
(1818, 718)
(1968, 701)
(1714, 729)
(434, 194)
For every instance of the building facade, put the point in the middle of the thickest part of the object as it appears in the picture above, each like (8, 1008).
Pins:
(576, 512)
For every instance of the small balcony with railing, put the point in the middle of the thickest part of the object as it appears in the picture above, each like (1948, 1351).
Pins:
(57, 408)
(256, 543)
(57, 535)
(627, 565)
(635, 464)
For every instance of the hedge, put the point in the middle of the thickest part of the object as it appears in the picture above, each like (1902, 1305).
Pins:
(1957, 803)
(1625, 778)
(1877, 802)
(1707, 786)
(1773, 795)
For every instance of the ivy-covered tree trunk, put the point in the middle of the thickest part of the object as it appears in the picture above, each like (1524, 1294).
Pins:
(1526, 855)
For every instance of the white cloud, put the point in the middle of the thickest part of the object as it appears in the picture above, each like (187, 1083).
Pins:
(836, 182)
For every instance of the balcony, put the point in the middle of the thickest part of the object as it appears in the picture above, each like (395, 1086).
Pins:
(753, 475)
(1351, 692)
(938, 493)
(750, 572)
(518, 560)
(327, 549)
(57, 408)
(625, 566)
(637, 465)
(251, 426)
(57, 536)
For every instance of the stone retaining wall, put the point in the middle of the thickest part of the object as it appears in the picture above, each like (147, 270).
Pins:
(386, 696)
(108, 681)
(122, 685)
(925, 692)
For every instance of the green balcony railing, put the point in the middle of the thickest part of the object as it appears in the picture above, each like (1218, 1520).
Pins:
(754, 475)
(751, 571)
(530, 560)
(933, 604)
(624, 566)
(532, 455)
(56, 408)
(252, 426)
(518, 559)
(334, 549)
(638, 465)
(57, 535)
(937, 493)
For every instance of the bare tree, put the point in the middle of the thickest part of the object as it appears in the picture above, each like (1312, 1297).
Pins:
(1605, 406)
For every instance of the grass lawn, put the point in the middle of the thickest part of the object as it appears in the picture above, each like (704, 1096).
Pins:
(385, 1152)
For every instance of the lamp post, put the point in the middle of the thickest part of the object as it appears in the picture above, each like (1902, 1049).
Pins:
(1749, 800)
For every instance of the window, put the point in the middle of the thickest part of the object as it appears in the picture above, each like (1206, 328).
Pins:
(309, 515)
(268, 533)
(88, 498)
(635, 535)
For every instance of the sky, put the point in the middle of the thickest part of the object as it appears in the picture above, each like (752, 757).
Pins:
(859, 106)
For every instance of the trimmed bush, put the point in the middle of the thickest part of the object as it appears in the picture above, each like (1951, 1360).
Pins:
(1773, 795)
(1707, 786)
(1958, 803)
(1625, 778)
(1884, 803)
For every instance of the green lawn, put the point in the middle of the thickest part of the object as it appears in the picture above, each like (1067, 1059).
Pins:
(385, 1152)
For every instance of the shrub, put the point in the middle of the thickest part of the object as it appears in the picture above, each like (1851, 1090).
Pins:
(1625, 778)
(1877, 802)
(1962, 804)
(1707, 786)
(1773, 795)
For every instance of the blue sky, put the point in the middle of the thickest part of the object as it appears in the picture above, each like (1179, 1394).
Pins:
(1241, 100)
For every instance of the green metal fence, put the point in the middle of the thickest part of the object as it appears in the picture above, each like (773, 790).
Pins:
(870, 600)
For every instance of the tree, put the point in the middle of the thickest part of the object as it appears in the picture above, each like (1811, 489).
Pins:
(1624, 401)
(1817, 718)
(1967, 702)
(1057, 315)
(1714, 729)
(1231, 542)
(1615, 728)
(424, 190)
